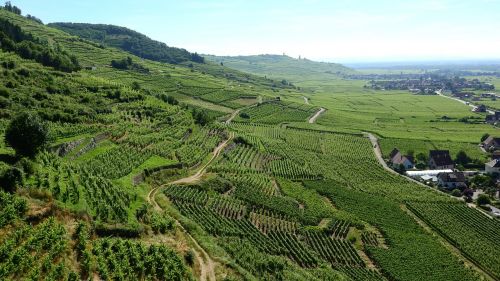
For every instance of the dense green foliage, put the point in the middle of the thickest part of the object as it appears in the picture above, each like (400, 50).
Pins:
(27, 134)
(14, 39)
(130, 41)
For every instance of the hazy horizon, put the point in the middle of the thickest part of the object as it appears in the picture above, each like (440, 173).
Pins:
(333, 31)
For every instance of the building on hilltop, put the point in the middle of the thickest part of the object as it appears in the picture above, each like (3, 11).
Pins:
(491, 143)
(452, 180)
(396, 158)
(440, 159)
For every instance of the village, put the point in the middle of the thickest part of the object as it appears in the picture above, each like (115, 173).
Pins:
(430, 83)
(439, 170)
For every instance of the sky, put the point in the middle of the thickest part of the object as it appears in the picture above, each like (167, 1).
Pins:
(326, 30)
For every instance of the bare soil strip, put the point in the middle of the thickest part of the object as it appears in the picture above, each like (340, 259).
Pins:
(316, 115)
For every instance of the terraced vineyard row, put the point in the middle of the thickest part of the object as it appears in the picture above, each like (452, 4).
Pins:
(276, 112)
(336, 251)
(117, 162)
(36, 252)
(468, 229)
(119, 259)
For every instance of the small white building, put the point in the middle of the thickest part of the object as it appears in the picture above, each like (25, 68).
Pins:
(427, 175)
(492, 167)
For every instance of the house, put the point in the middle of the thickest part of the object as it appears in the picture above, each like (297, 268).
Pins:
(493, 118)
(495, 155)
(491, 143)
(440, 159)
(396, 158)
(452, 180)
(492, 167)
(480, 108)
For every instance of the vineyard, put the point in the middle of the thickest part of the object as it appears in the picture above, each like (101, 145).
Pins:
(193, 170)
(468, 229)
(276, 112)
(35, 252)
(267, 228)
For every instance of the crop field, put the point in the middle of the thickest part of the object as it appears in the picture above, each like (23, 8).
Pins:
(195, 171)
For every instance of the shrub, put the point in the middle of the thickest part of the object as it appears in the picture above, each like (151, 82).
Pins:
(456, 192)
(483, 199)
(27, 166)
(189, 257)
(484, 137)
(11, 179)
(4, 92)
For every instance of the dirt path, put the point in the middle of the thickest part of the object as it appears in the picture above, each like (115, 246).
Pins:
(193, 178)
(306, 100)
(454, 250)
(316, 115)
(233, 115)
(207, 265)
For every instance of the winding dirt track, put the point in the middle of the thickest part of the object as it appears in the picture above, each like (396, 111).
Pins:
(233, 115)
(316, 115)
(207, 265)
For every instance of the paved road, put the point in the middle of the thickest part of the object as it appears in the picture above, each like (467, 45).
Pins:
(439, 93)
(380, 158)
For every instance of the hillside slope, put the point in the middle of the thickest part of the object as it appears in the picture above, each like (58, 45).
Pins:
(144, 47)
(283, 67)
(128, 40)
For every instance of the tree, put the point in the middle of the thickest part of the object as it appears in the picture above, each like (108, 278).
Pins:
(421, 157)
(484, 137)
(483, 199)
(200, 117)
(244, 115)
(462, 158)
(14, 9)
(26, 134)
(400, 169)
(197, 58)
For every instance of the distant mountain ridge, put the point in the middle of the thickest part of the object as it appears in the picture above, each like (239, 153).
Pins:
(281, 66)
(128, 40)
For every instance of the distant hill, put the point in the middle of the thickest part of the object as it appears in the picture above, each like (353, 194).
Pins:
(283, 67)
(128, 40)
